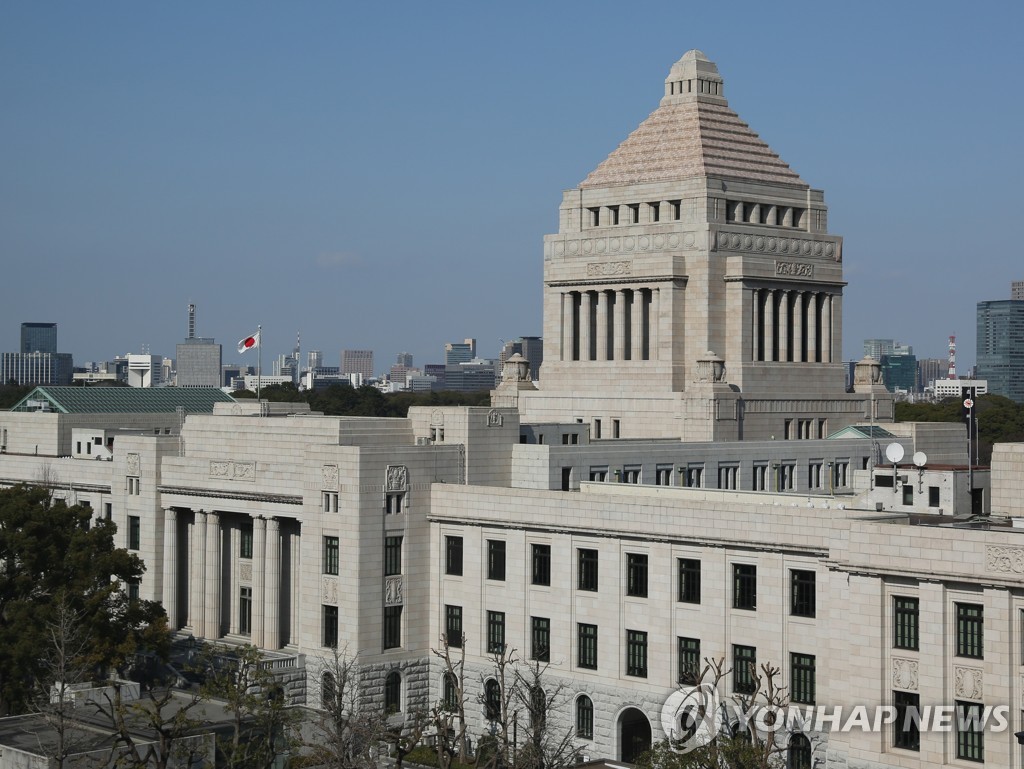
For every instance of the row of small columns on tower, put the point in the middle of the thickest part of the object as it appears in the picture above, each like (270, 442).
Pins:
(205, 569)
(634, 213)
(791, 325)
(610, 324)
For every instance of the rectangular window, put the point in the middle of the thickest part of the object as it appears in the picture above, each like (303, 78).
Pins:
(330, 501)
(631, 474)
(392, 627)
(597, 429)
(906, 732)
(636, 575)
(331, 627)
(331, 555)
(636, 653)
(760, 478)
(840, 473)
(689, 580)
(134, 532)
(599, 474)
(728, 476)
(540, 639)
(108, 511)
(801, 678)
(495, 632)
(744, 667)
(908, 494)
(133, 590)
(453, 556)
(695, 476)
(904, 622)
(587, 638)
(587, 569)
(392, 556)
(541, 564)
(134, 486)
(663, 475)
(495, 559)
(453, 626)
(245, 542)
(245, 610)
(933, 496)
(689, 661)
(394, 502)
(970, 630)
(970, 734)
(744, 592)
(802, 593)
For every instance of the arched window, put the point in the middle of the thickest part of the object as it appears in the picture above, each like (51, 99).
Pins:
(393, 692)
(492, 699)
(799, 754)
(450, 691)
(584, 717)
(328, 691)
(538, 709)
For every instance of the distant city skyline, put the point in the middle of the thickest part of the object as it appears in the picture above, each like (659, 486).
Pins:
(384, 181)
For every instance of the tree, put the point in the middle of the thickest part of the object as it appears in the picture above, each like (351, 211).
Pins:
(449, 713)
(52, 555)
(262, 724)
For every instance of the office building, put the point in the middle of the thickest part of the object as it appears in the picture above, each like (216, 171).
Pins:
(1001, 347)
(929, 370)
(1017, 290)
(145, 370)
(357, 362)
(42, 368)
(459, 352)
(38, 337)
(878, 348)
(899, 373)
(198, 360)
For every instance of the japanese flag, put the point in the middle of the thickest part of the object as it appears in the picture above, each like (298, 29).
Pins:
(249, 342)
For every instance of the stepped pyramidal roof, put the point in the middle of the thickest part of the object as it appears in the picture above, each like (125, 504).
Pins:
(693, 132)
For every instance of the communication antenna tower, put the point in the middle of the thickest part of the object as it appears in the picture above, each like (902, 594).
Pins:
(952, 357)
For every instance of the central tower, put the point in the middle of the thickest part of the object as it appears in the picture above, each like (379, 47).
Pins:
(693, 289)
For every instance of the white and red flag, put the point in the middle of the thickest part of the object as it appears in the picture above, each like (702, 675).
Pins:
(249, 342)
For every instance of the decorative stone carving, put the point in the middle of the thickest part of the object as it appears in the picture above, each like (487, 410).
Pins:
(868, 371)
(710, 368)
(132, 461)
(904, 674)
(245, 571)
(220, 469)
(494, 418)
(735, 241)
(1004, 560)
(436, 418)
(515, 369)
(330, 590)
(330, 477)
(794, 269)
(684, 241)
(967, 683)
(393, 591)
(232, 471)
(599, 269)
(397, 478)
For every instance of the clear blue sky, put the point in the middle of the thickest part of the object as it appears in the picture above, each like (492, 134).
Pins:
(380, 175)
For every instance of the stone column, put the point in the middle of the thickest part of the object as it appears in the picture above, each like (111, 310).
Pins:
(213, 576)
(197, 588)
(272, 604)
(812, 328)
(754, 214)
(655, 321)
(798, 327)
(784, 326)
(769, 325)
(636, 324)
(259, 560)
(772, 218)
(755, 325)
(585, 300)
(826, 328)
(567, 324)
(787, 217)
(620, 325)
(602, 325)
(170, 596)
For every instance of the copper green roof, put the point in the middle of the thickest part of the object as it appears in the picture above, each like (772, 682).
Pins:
(122, 400)
(862, 431)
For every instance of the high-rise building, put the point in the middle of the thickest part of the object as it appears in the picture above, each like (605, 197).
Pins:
(1017, 290)
(459, 352)
(197, 360)
(39, 368)
(929, 370)
(879, 348)
(899, 372)
(1001, 347)
(404, 359)
(315, 359)
(357, 362)
(145, 370)
(38, 337)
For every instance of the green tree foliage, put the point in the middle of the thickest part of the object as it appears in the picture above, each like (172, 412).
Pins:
(55, 558)
(365, 401)
(1000, 420)
(11, 393)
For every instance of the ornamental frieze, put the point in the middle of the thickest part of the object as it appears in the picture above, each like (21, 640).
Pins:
(625, 244)
(1004, 560)
(773, 244)
(601, 269)
(227, 470)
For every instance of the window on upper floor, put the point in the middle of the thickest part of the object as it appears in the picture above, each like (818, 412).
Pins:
(587, 577)
(744, 581)
(453, 556)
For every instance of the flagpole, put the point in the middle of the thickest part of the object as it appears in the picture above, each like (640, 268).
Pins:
(259, 363)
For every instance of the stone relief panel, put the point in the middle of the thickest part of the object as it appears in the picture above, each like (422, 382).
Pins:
(397, 478)
(132, 462)
(330, 477)
(220, 469)
(599, 269)
(904, 674)
(967, 683)
(436, 418)
(1004, 560)
(245, 572)
(495, 418)
(624, 244)
(393, 591)
(770, 244)
(226, 470)
(330, 590)
(794, 269)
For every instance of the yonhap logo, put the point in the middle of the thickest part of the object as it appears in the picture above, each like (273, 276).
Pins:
(692, 716)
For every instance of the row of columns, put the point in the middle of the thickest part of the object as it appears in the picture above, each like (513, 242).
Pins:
(205, 589)
(791, 326)
(610, 324)
(635, 213)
